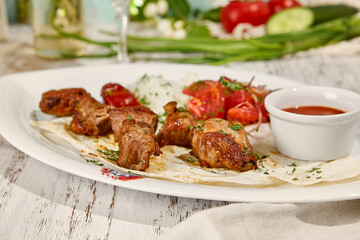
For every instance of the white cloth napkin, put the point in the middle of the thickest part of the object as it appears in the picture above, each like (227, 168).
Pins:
(336, 220)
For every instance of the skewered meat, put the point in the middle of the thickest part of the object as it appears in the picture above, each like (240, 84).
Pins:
(61, 102)
(223, 144)
(136, 145)
(91, 117)
(137, 113)
(177, 127)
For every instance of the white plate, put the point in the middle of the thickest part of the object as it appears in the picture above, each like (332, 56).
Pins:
(21, 93)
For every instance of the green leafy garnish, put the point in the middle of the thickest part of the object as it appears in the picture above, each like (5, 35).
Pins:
(109, 154)
(231, 84)
(236, 127)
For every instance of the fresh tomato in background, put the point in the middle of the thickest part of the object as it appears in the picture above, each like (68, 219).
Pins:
(116, 95)
(208, 100)
(252, 12)
(279, 5)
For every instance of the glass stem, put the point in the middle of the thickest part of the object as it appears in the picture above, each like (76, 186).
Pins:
(123, 19)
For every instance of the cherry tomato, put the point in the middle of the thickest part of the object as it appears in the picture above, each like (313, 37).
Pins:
(237, 98)
(246, 113)
(208, 101)
(253, 12)
(116, 95)
(278, 5)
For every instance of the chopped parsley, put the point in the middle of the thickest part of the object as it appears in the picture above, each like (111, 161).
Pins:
(245, 150)
(314, 169)
(236, 127)
(161, 117)
(96, 162)
(129, 117)
(231, 84)
(109, 154)
(165, 84)
(197, 127)
(144, 101)
(223, 132)
(295, 179)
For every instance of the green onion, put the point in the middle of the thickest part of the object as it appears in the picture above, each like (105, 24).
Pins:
(206, 50)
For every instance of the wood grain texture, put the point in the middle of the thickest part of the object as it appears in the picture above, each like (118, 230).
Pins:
(41, 202)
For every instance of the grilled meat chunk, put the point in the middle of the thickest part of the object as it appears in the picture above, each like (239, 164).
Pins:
(91, 118)
(177, 127)
(61, 102)
(223, 144)
(137, 113)
(136, 145)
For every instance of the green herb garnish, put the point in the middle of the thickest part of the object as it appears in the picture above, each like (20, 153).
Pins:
(236, 127)
(223, 132)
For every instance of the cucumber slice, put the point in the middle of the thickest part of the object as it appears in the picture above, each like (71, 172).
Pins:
(290, 20)
(329, 12)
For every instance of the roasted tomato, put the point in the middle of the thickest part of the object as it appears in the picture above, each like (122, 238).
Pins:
(278, 5)
(116, 95)
(208, 101)
(252, 12)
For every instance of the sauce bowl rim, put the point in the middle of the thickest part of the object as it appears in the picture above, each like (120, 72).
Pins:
(278, 112)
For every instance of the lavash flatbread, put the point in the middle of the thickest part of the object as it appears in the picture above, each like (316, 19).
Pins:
(177, 164)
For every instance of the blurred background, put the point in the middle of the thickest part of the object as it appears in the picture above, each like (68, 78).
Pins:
(163, 29)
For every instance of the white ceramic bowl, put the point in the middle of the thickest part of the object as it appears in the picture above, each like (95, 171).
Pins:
(309, 137)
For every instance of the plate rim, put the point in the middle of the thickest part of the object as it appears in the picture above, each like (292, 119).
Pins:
(187, 190)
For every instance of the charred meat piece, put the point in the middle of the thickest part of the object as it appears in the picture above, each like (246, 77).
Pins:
(177, 127)
(136, 145)
(223, 144)
(137, 113)
(61, 102)
(91, 118)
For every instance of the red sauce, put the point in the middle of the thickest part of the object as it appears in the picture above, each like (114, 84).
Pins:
(313, 110)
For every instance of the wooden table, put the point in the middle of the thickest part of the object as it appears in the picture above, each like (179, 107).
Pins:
(41, 202)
